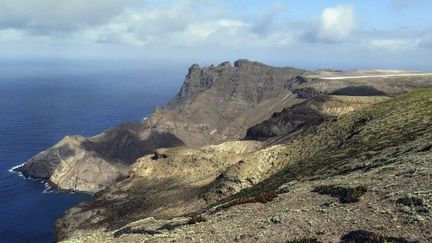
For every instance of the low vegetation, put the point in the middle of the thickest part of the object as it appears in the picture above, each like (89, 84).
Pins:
(345, 195)
(264, 197)
(197, 219)
(130, 230)
(304, 240)
(362, 236)
(361, 142)
(261, 198)
(410, 201)
(345, 145)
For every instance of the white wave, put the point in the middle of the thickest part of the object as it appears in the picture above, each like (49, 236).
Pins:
(19, 173)
(145, 118)
(12, 170)
(48, 188)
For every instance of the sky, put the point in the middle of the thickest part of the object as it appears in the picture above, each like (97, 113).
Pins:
(308, 34)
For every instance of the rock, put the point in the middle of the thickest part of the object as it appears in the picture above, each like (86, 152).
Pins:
(288, 121)
(419, 218)
(406, 209)
(157, 155)
(239, 238)
(259, 236)
(308, 114)
(92, 164)
(277, 219)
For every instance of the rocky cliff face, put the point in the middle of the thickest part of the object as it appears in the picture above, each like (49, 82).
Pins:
(215, 104)
(91, 164)
(308, 114)
(228, 99)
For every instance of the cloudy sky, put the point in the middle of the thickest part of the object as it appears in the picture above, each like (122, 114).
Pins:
(308, 33)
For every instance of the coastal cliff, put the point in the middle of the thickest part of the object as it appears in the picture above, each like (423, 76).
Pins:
(238, 143)
(215, 104)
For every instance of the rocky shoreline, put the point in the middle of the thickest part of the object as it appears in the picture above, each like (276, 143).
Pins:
(49, 186)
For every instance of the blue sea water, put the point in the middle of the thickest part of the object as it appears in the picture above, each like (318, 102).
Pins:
(42, 102)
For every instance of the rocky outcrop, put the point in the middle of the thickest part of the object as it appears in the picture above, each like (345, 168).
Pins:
(310, 113)
(91, 164)
(227, 99)
(288, 121)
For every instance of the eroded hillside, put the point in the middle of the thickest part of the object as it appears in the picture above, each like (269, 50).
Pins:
(366, 174)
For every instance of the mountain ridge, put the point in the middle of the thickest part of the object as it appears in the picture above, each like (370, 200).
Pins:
(215, 104)
(174, 125)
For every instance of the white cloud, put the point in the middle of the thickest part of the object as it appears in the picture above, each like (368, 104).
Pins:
(182, 25)
(47, 16)
(171, 25)
(190, 26)
(426, 41)
(202, 31)
(265, 23)
(11, 35)
(393, 45)
(336, 23)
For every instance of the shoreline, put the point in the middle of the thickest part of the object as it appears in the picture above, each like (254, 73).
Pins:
(49, 186)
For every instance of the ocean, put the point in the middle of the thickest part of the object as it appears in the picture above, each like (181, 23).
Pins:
(41, 102)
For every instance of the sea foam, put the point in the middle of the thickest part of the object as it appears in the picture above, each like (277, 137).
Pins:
(13, 170)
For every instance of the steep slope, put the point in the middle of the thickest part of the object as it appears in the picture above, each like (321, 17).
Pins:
(168, 182)
(393, 136)
(218, 103)
(308, 114)
(215, 104)
(91, 164)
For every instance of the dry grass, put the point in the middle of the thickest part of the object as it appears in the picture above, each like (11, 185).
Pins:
(262, 198)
